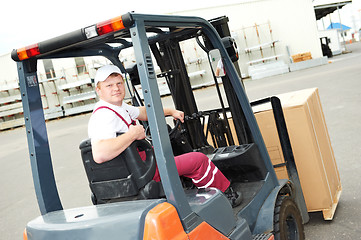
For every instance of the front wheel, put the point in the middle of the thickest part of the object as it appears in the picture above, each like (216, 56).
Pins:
(287, 220)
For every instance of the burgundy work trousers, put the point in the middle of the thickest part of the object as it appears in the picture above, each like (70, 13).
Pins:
(200, 169)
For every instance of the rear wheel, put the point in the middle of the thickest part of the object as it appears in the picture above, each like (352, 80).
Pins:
(287, 220)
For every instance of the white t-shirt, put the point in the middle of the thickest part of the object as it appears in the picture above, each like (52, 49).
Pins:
(105, 124)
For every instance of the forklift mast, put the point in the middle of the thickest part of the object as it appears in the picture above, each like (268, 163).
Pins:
(242, 128)
(170, 60)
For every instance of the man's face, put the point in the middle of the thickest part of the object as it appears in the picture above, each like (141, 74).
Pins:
(112, 90)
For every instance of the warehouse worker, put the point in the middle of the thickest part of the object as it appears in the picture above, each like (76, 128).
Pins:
(111, 115)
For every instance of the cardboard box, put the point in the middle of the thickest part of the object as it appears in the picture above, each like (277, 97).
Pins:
(313, 153)
(301, 57)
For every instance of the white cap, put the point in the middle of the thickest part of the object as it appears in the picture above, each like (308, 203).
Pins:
(104, 72)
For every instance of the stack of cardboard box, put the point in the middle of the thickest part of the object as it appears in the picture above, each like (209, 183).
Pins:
(313, 153)
(301, 57)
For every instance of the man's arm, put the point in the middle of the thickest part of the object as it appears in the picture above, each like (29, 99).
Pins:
(107, 149)
(167, 112)
(176, 114)
(142, 114)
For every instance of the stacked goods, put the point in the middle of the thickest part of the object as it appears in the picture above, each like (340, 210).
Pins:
(301, 57)
(311, 145)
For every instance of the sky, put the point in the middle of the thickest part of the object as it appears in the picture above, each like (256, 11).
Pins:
(350, 16)
(25, 22)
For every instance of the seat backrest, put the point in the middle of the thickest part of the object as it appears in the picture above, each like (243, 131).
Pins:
(110, 170)
(122, 176)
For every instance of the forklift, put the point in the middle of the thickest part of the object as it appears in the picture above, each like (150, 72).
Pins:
(127, 203)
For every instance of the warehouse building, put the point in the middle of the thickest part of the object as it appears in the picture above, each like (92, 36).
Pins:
(273, 37)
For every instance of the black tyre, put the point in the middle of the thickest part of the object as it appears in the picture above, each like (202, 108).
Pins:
(287, 220)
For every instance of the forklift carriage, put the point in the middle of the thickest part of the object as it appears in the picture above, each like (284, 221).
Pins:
(133, 206)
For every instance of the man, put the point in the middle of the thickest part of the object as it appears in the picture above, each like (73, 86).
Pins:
(111, 116)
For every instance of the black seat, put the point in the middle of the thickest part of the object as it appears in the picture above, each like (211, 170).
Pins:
(125, 177)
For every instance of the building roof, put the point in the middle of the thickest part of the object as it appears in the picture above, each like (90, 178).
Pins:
(325, 7)
(338, 26)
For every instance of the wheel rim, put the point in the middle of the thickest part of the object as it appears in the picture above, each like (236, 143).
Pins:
(292, 228)
(287, 220)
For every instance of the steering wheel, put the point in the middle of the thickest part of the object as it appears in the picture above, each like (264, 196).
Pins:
(170, 130)
(143, 170)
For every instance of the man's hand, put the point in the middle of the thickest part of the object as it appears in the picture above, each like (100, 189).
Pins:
(176, 114)
(137, 132)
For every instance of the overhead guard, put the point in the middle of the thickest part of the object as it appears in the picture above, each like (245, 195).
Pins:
(55, 44)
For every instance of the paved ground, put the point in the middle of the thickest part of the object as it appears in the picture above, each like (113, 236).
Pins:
(340, 91)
